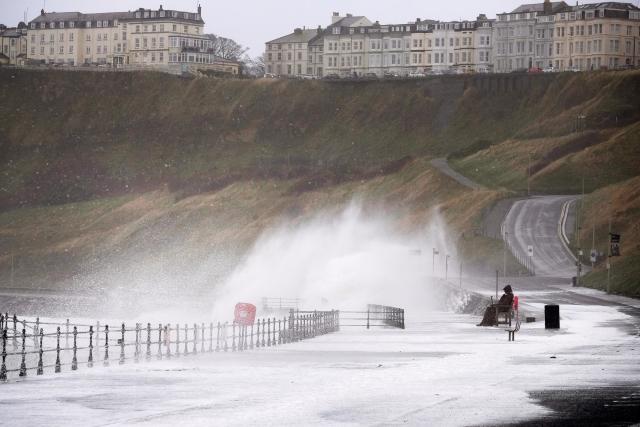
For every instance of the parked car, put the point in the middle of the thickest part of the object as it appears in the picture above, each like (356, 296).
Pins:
(417, 74)
(270, 76)
(306, 77)
(370, 76)
(390, 75)
(574, 69)
(332, 76)
(535, 70)
(549, 70)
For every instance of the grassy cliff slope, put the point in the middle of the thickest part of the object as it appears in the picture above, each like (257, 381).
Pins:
(112, 171)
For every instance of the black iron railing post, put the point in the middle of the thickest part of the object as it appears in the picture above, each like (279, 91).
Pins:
(121, 361)
(177, 340)
(90, 361)
(167, 339)
(23, 364)
(3, 367)
(202, 350)
(74, 361)
(159, 353)
(40, 370)
(105, 362)
(136, 353)
(148, 356)
(218, 338)
(210, 337)
(186, 339)
(58, 367)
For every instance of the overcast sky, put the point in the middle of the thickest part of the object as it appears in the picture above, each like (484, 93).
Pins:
(252, 22)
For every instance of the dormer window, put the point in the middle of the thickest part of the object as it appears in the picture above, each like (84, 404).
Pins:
(99, 24)
(146, 14)
(72, 24)
(162, 14)
(33, 25)
(138, 15)
(52, 25)
(153, 14)
(174, 14)
(186, 15)
(62, 25)
(336, 30)
(115, 22)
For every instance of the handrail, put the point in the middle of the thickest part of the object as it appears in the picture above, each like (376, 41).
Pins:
(68, 345)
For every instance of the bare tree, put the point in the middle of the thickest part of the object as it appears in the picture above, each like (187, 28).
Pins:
(254, 66)
(226, 48)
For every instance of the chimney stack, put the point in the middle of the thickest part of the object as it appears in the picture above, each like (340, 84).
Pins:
(335, 18)
(42, 12)
(199, 10)
(548, 7)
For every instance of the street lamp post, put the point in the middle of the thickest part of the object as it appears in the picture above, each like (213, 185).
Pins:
(504, 254)
(433, 261)
(446, 267)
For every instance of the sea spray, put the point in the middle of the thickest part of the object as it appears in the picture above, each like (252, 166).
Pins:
(342, 261)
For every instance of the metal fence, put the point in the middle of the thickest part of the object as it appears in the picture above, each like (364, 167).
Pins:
(280, 304)
(34, 345)
(374, 316)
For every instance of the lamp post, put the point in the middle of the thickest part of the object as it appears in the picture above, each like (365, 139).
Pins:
(504, 254)
(433, 261)
(446, 267)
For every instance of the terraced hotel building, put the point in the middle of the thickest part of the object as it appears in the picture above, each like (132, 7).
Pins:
(145, 38)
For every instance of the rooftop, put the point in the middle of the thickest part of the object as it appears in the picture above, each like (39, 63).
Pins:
(539, 7)
(298, 36)
(146, 14)
(607, 5)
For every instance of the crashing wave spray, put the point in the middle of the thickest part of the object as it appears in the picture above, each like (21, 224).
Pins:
(341, 261)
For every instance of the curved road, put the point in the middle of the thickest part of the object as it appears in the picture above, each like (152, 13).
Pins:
(537, 222)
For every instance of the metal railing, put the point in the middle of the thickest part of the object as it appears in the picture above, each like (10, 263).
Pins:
(33, 345)
(374, 316)
(280, 304)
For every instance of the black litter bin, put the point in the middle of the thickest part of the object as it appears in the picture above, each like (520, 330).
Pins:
(552, 317)
(574, 281)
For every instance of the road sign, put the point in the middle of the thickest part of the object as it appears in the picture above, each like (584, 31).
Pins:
(615, 244)
(530, 250)
(594, 255)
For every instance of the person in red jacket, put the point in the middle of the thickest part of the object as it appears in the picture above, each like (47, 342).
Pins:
(503, 306)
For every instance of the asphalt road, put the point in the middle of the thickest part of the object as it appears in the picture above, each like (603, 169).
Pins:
(536, 222)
